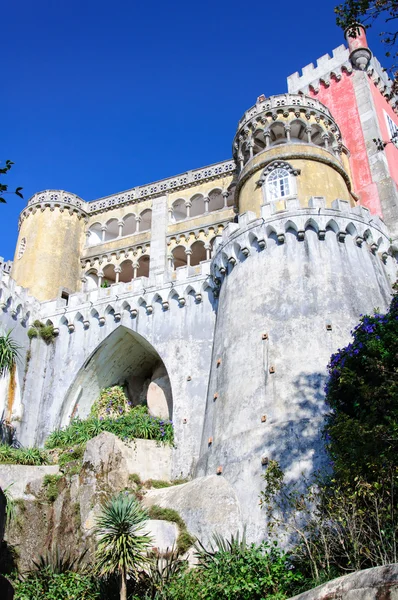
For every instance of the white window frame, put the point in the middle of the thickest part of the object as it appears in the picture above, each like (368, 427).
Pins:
(292, 187)
(392, 129)
(21, 248)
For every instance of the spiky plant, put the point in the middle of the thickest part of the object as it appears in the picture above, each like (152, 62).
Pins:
(9, 353)
(122, 545)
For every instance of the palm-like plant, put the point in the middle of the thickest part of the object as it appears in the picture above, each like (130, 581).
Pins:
(122, 545)
(9, 353)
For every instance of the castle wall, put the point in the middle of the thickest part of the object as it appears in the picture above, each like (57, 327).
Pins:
(272, 340)
(177, 322)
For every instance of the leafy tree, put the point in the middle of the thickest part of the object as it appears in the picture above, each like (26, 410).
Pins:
(362, 391)
(366, 12)
(122, 546)
(4, 187)
(9, 353)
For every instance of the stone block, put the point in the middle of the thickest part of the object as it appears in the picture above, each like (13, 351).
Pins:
(163, 533)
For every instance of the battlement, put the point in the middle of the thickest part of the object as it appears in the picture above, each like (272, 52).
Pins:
(16, 300)
(5, 265)
(344, 223)
(326, 67)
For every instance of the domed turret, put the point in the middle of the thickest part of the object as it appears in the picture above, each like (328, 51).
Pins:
(47, 256)
(289, 147)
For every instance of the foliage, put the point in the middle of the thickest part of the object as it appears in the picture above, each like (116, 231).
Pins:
(9, 353)
(45, 332)
(10, 505)
(122, 545)
(4, 187)
(48, 585)
(50, 484)
(362, 391)
(185, 540)
(137, 423)
(160, 483)
(159, 574)
(234, 570)
(58, 562)
(23, 456)
(112, 403)
(367, 12)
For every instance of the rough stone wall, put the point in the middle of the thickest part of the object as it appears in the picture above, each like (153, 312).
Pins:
(284, 283)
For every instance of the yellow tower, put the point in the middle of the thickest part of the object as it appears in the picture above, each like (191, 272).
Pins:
(288, 147)
(51, 236)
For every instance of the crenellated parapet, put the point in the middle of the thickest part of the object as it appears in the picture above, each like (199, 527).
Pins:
(285, 119)
(5, 265)
(55, 200)
(16, 301)
(343, 223)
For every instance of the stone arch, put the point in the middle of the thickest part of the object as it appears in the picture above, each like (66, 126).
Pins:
(112, 230)
(95, 234)
(123, 358)
(297, 130)
(126, 272)
(91, 280)
(179, 210)
(198, 253)
(129, 224)
(146, 220)
(143, 266)
(109, 274)
(216, 200)
(198, 205)
(179, 257)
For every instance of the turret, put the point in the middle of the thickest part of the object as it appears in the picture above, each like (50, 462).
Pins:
(51, 234)
(289, 147)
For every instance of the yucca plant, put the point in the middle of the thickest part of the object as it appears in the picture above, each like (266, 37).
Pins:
(122, 545)
(9, 353)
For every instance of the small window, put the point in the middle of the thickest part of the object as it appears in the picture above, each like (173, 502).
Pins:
(392, 129)
(65, 296)
(22, 246)
(278, 184)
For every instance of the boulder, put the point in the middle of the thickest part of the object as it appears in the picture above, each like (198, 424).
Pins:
(379, 583)
(207, 505)
(164, 534)
(157, 401)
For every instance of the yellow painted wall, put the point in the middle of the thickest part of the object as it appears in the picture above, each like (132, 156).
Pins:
(316, 178)
(51, 260)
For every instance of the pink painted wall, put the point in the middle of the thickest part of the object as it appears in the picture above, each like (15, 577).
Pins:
(340, 99)
(391, 151)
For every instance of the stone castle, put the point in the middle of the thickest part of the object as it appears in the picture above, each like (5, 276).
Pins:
(218, 295)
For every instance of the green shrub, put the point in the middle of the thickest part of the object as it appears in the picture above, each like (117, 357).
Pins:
(47, 585)
(137, 423)
(158, 483)
(135, 478)
(45, 332)
(112, 403)
(184, 540)
(234, 570)
(23, 456)
(50, 483)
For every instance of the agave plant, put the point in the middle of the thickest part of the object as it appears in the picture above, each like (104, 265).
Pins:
(57, 562)
(122, 545)
(237, 545)
(9, 353)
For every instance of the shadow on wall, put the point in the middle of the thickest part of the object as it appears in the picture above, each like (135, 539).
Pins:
(298, 443)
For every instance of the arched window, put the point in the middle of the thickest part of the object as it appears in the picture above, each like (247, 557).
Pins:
(22, 246)
(278, 184)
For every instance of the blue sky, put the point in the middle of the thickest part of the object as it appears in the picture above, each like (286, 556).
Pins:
(98, 97)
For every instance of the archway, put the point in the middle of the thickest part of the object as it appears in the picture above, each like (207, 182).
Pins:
(124, 358)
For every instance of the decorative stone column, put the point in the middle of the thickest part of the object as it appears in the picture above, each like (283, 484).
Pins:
(170, 260)
(138, 220)
(103, 229)
(188, 253)
(208, 250)
(120, 225)
(118, 270)
(88, 234)
(308, 131)
(225, 195)
(136, 266)
(188, 204)
(100, 278)
(267, 135)
(287, 132)
(206, 201)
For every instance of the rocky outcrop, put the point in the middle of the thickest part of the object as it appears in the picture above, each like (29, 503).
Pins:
(379, 583)
(207, 505)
